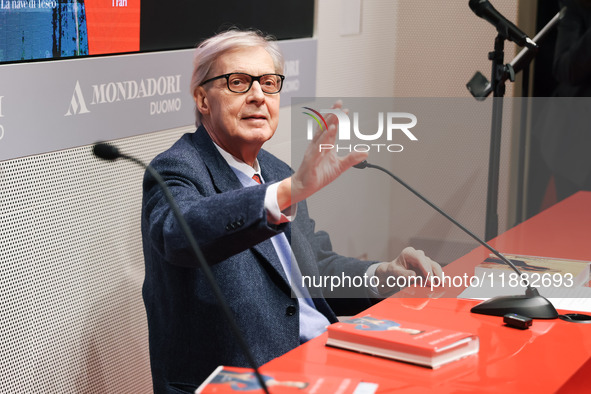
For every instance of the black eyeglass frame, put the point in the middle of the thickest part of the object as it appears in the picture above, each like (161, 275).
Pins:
(252, 79)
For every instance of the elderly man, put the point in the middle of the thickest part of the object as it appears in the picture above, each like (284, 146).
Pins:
(240, 202)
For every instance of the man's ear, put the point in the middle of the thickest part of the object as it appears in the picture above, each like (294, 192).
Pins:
(201, 100)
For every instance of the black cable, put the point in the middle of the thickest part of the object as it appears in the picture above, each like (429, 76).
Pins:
(110, 152)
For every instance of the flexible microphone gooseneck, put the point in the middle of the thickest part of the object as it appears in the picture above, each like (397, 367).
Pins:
(531, 305)
(109, 152)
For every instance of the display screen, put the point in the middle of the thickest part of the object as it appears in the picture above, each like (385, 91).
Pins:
(186, 23)
(57, 29)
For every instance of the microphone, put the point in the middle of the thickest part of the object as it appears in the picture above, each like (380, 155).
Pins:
(480, 87)
(532, 304)
(485, 10)
(106, 151)
(110, 152)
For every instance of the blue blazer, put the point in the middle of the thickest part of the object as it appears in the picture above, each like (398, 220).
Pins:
(188, 336)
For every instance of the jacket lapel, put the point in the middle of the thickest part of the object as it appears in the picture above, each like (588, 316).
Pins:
(222, 176)
(225, 180)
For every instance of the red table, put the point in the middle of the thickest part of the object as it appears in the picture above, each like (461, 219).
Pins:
(551, 356)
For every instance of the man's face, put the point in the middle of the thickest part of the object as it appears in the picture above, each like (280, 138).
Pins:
(239, 122)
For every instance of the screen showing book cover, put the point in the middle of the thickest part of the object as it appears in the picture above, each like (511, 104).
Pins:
(58, 29)
(49, 29)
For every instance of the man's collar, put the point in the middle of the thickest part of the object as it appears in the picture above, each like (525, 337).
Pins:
(239, 164)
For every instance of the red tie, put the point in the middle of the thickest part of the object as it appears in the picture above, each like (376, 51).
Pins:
(257, 178)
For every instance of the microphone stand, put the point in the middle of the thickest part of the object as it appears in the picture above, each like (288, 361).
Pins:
(110, 152)
(498, 88)
(480, 89)
(532, 304)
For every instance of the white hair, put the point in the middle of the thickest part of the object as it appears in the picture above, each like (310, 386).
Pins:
(212, 48)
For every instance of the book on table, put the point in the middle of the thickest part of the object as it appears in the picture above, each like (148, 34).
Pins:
(420, 344)
(540, 271)
(225, 379)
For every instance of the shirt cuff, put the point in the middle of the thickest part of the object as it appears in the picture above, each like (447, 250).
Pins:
(274, 215)
(371, 271)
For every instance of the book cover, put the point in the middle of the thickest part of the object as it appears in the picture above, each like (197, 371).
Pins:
(541, 271)
(227, 379)
(404, 341)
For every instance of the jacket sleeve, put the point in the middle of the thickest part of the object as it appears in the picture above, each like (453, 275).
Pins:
(223, 223)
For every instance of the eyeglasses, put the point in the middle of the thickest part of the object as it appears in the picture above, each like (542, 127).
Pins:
(241, 82)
